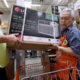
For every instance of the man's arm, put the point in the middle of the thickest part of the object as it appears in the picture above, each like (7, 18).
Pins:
(68, 51)
(11, 40)
(3, 38)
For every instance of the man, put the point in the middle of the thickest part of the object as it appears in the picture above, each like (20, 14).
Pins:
(68, 53)
(5, 40)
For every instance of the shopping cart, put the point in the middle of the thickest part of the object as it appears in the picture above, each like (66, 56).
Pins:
(36, 72)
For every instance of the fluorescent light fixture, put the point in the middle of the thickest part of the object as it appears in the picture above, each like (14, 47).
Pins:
(28, 4)
(6, 3)
(36, 5)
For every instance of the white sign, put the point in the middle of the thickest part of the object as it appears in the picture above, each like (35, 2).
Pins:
(61, 8)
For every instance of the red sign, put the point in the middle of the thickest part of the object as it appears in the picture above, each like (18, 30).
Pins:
(17, 9)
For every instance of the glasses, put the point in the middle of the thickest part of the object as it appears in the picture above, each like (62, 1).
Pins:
(65, 18)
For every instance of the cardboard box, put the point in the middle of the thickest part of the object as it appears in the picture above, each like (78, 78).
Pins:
(36, 29)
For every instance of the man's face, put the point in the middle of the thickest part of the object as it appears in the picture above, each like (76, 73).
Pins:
(66, 19)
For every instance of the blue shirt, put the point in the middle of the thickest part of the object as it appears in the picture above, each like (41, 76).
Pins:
(73, 38)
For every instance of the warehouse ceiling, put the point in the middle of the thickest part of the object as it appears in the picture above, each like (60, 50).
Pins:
(64, 2)
(3, 7)
(44, 4)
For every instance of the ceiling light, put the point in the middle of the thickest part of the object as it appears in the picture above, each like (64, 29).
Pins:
(28, 3)
(6, 3)
(37, 5)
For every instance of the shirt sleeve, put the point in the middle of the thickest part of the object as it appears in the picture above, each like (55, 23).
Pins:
(74, 41)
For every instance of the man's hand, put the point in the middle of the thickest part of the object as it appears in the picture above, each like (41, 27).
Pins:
(55, 46)
(12, 40)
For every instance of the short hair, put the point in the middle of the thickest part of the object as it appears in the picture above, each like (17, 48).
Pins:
(68, 10)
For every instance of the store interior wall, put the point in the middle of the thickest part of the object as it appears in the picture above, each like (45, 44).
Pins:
(5, 17)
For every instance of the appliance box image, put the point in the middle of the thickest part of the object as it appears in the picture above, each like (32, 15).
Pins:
(34, 26)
